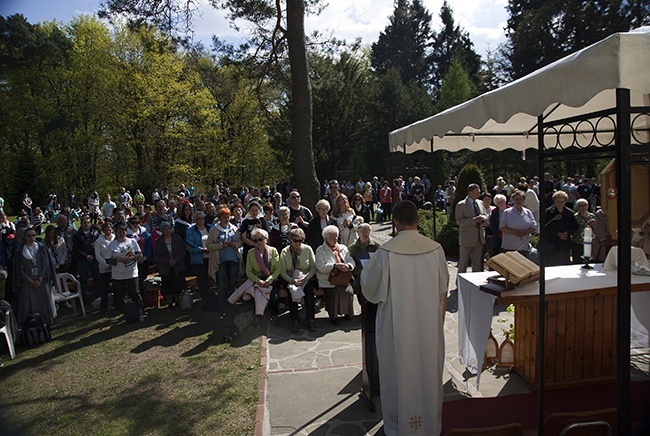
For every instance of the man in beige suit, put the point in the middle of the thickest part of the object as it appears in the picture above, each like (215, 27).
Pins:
(470, 215)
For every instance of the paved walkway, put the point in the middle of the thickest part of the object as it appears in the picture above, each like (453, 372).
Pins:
(311, 381)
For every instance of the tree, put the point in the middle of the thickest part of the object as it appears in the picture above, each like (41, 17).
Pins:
(456, 87)
(541, 32)
(450, 43)
(404, 44)
(272, 38)
(340, 90)
(468, 175)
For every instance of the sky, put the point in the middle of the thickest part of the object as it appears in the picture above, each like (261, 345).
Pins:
(483, 19)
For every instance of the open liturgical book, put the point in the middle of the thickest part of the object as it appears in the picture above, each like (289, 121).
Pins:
(515, 267)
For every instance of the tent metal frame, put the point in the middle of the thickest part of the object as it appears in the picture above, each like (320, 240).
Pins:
(621, 119)
(622, 150)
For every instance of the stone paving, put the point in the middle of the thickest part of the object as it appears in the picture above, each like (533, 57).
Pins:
(313, 378)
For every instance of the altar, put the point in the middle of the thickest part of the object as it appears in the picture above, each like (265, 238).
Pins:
(580, 333)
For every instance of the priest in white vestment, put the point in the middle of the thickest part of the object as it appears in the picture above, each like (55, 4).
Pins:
(408, 277)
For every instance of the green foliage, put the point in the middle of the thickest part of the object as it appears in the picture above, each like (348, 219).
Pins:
(508, 332)
(456, 87)
(448, 238)
(404, 43)
(449, 44)
(542, 32)
(445, 233)
(100, 108)
(468, 175)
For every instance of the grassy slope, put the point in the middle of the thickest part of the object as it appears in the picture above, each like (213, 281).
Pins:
(170, 374)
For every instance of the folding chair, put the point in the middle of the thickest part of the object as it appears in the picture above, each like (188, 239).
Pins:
(6, 330)
(61, 292)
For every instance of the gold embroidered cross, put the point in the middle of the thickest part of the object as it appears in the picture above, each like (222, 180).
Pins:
(415, 422)
(393, 419)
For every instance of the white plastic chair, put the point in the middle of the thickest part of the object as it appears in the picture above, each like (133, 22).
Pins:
(61, 292)
(6, 330)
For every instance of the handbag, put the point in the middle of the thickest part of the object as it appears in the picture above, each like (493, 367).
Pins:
(340, 278)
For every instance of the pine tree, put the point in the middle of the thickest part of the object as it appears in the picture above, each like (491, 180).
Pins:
(405, 43)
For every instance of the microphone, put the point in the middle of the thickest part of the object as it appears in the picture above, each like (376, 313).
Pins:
(555, 218)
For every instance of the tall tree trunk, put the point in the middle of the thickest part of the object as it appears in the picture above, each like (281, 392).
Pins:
(301, 132)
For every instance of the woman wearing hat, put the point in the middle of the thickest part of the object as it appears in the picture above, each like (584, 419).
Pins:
(170, 254)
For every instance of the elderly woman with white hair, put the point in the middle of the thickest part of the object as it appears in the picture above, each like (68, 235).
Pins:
(329, 256)
(318, 223)
(584, 219)
(298, 269)
(501, 203)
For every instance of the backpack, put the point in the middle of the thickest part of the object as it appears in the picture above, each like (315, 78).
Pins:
(186, 300)
(131, 311)
(35, 331)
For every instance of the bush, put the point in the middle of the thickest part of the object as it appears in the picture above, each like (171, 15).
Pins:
(448, 238)
(426, 222)
(468, 175)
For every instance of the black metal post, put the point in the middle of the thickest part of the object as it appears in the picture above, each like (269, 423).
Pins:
(542, 282)
(624, 276)
(435, 212)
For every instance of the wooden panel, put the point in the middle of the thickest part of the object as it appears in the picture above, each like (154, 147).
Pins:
(532, 317)
(588, 337)
(560, 339)
(520, 320)
(551, 345)
(579, 335)
(569, 354)
(599, 308)
(609, 337)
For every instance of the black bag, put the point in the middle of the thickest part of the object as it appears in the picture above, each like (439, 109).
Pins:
(131, 311)
(35, 331)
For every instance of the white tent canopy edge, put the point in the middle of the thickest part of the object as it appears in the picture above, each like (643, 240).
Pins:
(506, 118)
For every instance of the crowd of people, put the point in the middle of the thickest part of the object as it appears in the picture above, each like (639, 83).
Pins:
(264, 236)
(250, 243)
(505, 217)
(253, 233)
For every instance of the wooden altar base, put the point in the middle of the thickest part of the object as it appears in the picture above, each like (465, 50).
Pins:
(580, 337)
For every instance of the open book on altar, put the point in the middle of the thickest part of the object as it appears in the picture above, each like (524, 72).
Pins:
(515, 267)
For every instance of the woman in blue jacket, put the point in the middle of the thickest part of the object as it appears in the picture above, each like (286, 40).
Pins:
(196, 240)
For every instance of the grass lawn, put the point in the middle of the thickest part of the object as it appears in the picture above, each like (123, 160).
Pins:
(171, 374)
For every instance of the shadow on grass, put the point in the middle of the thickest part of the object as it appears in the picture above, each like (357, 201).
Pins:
(99, 372)
(141, 408)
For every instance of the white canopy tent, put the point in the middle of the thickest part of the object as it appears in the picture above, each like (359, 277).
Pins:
(584, 82)
(596, 100)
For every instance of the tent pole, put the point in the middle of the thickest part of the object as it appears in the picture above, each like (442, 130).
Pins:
(430, 189)
(624, 274)
(542, 282)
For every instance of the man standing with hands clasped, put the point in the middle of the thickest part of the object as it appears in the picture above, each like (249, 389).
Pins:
(470, 215)
(408, 277)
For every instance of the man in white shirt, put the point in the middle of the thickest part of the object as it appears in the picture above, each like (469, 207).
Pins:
(107, 207)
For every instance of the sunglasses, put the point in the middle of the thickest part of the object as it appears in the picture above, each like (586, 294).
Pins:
(259, 239)
(294, 196)
(297, 240)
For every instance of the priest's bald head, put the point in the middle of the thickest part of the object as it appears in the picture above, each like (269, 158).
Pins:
(405, 215)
